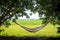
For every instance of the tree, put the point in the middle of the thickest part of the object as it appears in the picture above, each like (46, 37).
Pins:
(10, 8)
(51, 9)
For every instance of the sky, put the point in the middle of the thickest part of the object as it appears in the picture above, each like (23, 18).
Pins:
(33, 16)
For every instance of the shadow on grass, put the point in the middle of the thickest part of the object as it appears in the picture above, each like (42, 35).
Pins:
(1, 30)
(58, 31)
(27, 38)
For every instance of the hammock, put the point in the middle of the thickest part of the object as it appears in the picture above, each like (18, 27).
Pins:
(33, 29)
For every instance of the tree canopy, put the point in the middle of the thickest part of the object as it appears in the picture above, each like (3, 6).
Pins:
(10, 8)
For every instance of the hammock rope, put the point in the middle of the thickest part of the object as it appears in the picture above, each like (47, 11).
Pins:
(33, 29)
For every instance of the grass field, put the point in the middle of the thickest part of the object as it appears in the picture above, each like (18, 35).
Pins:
(15, 30)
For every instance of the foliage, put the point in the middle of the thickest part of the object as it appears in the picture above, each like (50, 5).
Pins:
(50, 8)
(10, 8)
(13, 8)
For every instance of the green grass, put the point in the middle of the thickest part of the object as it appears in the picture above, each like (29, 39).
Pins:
(30, 22)
(15, 30)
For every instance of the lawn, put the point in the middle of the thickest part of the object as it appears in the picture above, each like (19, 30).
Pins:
(15, 30)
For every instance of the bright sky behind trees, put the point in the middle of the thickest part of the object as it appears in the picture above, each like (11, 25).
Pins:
(33, 16)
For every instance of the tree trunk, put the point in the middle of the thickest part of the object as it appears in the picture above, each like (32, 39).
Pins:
(5, 14)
